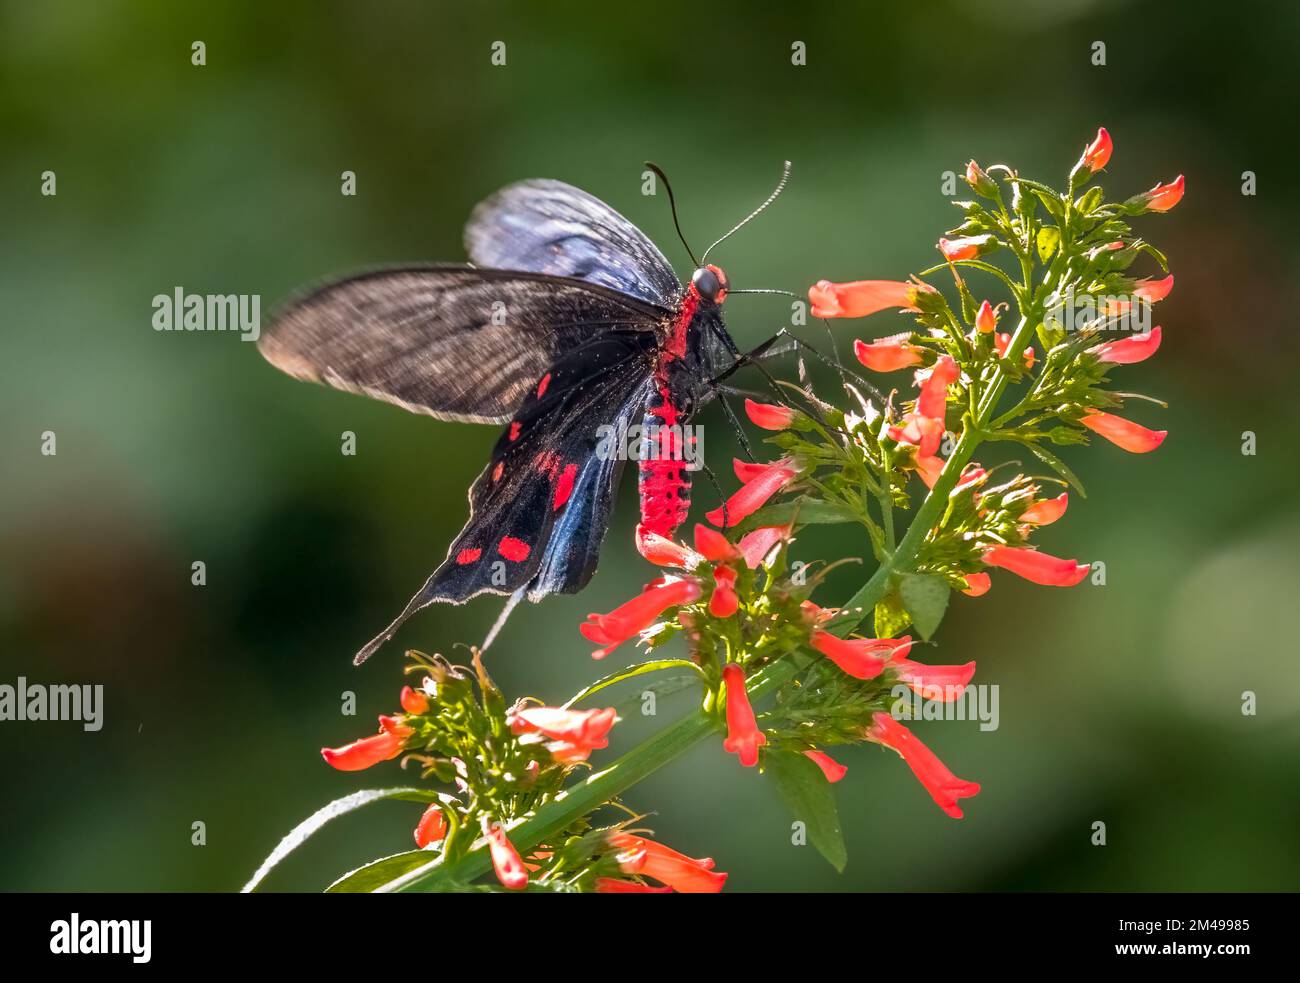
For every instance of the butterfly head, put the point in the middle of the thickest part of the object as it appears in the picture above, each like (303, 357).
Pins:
(710, 283)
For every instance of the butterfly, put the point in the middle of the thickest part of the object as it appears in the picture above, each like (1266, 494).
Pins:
(568, 325)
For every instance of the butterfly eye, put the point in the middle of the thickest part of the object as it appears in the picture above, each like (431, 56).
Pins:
(707, 283)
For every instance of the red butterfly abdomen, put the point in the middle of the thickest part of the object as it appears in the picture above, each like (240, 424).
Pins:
(664, 481)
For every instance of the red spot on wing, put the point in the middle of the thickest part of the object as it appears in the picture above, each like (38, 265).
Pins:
(498, 470)
(468, 555)
(541, 386)
(515, 427)
(564, 487)
(514, 549)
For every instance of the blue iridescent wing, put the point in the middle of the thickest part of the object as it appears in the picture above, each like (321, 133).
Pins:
(546, 226)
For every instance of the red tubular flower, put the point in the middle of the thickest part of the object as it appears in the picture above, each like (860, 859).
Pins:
(752, 496)
(933, 401)
(1153, 290)
(413, 701)
(929, 468)
(860, 298)
(743, 736)
(861, 658)
(965, 247)
(714, 546)
(1036, 567)
(757, 546)
(588, 729)
(986, 320)
(507, 863)
(613, 885)
(769, 416)
(977, 584)
(971, 474)
(359, 755)
(724, 601)
(831, 768)
(1162, 197)
(1046, 512)
(1097, 154)
(1125, 434)
(747, 471)
(887, 354)
(432, 826)
(942, 683)
(1002, 341)
(815, 615)
(979, 180)
(636, 615)
(944, 787)
(1129, 351)
(678, 871)
(662, 551)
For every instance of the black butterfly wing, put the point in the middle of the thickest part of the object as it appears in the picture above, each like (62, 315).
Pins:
(539, 510)
(551, 227)
(453, 342)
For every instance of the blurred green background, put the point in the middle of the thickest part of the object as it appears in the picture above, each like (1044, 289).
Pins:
(1120, 704)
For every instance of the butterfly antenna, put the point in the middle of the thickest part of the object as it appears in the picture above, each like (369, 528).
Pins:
(785, 176)
(672, 203)
(784, 293)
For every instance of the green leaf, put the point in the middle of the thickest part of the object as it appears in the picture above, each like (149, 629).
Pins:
(891, 618)
(1049, 236)
(1056, 464)
(339, 807)
(811, 800)
(631, 671)
(1050, 201)
(925, 597)
(379, 872)
(1087, 202)
(809, 511)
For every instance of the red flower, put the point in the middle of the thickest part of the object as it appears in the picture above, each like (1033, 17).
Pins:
(507, 863)
(966, 247)
(979, 180)
(746, 471)
(1125, 434)
(413, 701)
(1046, 512)
(1161, 198)
(887, 354)
(863, 297)
(612, 885)
(986, 320)
(942, 683)
(714, 546)
(933, 401)
(971, 474)
(678, 871)
(752, 495)
(861, 658)
(743, 736)
(662, 551)
(1129, 351)
(814, 615)
(1153, 290)
(944, 787)
(575, 733)
(1097, 154)
(359, 755)
(724, 601)
(977, 584)
(1036, 567)
(431, 828)
(831, 768)
(769, 416)
(757, 546)
(636, 615)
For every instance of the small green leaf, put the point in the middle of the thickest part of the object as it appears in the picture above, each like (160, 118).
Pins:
(1050, 201)
(1087, 202)
(631, 671)
(379, 872)
(339, 807)
(1057, 465)
(1049, 236)
(811, 800)
(925, 597)
(891, 618)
